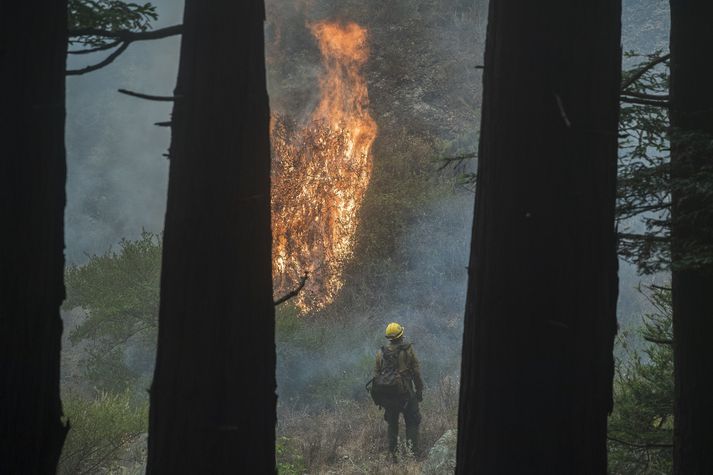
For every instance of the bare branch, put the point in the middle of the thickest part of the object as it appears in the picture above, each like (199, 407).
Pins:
(641, 95)
(108, 60)
(148, 97)
(104, 47)
(659, 287)
(457, 159)
(633, 209)
(163, 124)
(293, 293)
(643, 70)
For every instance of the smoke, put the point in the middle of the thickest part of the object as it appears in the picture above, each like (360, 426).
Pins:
(645, 25)
(423, 81)
(117, 176)
(430, 301)
(331, 356)
(414, 235)
(423, 87)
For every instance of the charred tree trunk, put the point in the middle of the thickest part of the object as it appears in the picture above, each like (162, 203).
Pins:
(213, 395)
(33, 49)
(537, 367)
(691, 94)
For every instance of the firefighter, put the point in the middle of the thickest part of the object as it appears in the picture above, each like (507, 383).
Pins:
(401, 354)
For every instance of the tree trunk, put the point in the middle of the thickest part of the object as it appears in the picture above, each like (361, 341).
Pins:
(537, 364)
(213, 395)
(33, 50)
(691, 115)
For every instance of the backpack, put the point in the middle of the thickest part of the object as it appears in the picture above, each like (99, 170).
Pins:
(389, 386)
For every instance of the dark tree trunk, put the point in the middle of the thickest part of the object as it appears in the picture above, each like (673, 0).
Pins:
(213, 395)
(537, 368)
(691, 93)
(33, 50)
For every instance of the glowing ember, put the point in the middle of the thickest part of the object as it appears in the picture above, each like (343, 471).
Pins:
(320, 172)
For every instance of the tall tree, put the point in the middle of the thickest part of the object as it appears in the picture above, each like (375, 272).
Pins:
(33, 50)
(213, 395)
(691, 113)
(537, 365)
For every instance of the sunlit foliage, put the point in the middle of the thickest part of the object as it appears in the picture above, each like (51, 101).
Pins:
(118, 291)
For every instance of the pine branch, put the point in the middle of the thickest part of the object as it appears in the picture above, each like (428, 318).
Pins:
(660, 287)
(640, 446)
(643, 237)
(124, 39)
(129, 36)
(659, 341)
(645, 102)
(643, 70)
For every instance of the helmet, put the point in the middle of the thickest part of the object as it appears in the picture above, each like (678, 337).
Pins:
(394, 331)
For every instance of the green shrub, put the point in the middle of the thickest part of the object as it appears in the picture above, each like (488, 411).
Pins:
(104, 433)
(119, 293)
(289, 459)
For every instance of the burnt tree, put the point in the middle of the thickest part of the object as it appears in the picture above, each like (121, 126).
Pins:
(213, 394)
(540, 322)
(691, 114)
(33, 49)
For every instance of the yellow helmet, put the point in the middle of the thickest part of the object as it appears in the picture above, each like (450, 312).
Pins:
(394, 331)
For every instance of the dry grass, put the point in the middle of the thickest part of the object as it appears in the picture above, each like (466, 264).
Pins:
(350, 436)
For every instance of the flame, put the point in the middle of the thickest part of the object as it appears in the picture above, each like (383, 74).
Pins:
(321, 170)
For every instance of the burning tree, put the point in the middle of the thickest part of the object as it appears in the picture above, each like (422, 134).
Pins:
(321, 170)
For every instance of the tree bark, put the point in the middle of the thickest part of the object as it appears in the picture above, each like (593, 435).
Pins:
(213, 395)
(33, 50)
(537, 364)
(691, 116)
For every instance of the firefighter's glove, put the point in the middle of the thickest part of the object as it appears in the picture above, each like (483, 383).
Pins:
(419, 396)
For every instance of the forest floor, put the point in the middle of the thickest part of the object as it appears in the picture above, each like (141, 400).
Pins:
(350, 438)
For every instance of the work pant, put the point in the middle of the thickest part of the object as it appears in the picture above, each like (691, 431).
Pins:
(412, 417)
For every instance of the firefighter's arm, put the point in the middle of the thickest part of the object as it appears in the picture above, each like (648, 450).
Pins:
(377, 366)
(416, 374)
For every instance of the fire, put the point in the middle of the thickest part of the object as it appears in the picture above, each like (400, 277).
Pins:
(321, 170)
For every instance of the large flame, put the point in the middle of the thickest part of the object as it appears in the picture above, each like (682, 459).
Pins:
(321, 170)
